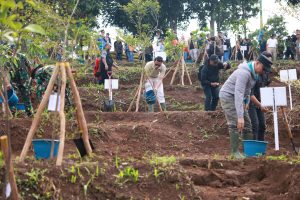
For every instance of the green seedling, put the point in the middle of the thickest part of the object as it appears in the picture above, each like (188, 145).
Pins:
(277, 158)
(129, 173)
(162, 161)
(73, 179)
(1, 159)
(97, 171)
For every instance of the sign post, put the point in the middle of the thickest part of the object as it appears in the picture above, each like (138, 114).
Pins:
(274, 96)
(289, 76)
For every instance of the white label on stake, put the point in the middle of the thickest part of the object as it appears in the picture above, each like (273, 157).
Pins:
(243, 48)
(114, 84)
(267, 100)
(85, 48)
(52, 103)
(8, 190)
(288, 75)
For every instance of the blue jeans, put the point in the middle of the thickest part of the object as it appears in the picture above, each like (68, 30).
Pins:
(211, 97)
(258, 122)
(130, 56)
(226, 56)
(119, 56)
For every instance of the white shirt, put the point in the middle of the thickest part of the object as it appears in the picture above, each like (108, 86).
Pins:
(272, 43)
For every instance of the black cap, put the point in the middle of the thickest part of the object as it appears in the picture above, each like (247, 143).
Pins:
(266, 61)
(214, 58)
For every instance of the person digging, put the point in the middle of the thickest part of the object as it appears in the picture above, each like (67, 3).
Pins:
(235, 97)
(155, 72)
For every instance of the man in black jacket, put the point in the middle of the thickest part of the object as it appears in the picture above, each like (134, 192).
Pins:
(210, 81)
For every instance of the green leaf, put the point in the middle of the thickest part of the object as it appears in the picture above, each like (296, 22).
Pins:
(35, 29)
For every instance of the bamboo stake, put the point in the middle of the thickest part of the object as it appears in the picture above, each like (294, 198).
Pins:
(80, 113)
(131, 103)
(182, 71)
(12, 179)
(37, 117)
(62, 116)
(175, 72)
(139, 92)
(187, 72)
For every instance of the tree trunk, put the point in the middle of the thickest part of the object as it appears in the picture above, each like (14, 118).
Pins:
(212, 24)
(173, 25)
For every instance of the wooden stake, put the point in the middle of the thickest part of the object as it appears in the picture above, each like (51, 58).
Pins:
(182, 71)
(80, 113)
(12, 180)
(131, 103)
(37, 116)
(187, 72)
(5, 106)
(139, 92)
(175, 72)
(62, 116)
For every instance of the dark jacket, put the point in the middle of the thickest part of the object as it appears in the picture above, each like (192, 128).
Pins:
(263, 81)
(210, 74)
(118, 46)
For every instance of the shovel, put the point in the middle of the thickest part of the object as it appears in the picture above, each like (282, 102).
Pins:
(288, 128)
(109, 105)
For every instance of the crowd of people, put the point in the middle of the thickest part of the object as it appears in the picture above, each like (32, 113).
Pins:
(239, 95)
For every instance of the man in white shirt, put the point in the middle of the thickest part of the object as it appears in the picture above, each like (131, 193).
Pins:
(155, 72)
(272, 44)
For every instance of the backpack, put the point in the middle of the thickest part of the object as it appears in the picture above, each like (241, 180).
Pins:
(97, 69)
(199, 72)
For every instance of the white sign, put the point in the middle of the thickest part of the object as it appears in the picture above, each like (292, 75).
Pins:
(243, 48)
(274, 96)
(85, 48)
(161, 54)
(114, 84)
(267, 96)
(225, 47)
(288, 75)
(52, 102)
(8, 190)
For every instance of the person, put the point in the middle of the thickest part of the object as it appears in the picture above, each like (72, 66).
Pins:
(215, 47)
(107, 38)
(262, 44)
(290, 46)
(235, 95)
(256, 110)
(149, 53)
(101, 40)
(227, 52)
(19, 71)
(104, 65)
(298, 45)
(192, 48)
(210, 81)
(118, 49)
(130, 53)
(155, 72)
(272, 44)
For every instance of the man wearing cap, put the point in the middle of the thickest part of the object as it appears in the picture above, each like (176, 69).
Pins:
(298, 45)
(155, 72)
(235, 97)
(210, 81)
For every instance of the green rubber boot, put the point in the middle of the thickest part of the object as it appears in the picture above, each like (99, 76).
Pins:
(150, 107)
(234, 143)
(163, 106)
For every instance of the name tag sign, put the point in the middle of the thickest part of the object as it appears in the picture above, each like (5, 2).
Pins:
(85, 48)
(244, 48)
(52, 102)
(288, 75)
(274, 96)
(161, 54)
(114, 84)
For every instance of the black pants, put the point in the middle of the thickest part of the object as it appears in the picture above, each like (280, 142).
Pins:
(289, 54)
(258, 122)
(211, 97)
(119, 56)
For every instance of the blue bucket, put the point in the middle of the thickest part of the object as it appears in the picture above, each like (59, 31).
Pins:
(20, 106)
(12, 98)
(254, 147)
(42, 148)
(150, 97)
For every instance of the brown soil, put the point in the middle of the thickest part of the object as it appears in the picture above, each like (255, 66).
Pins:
(198, 140)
